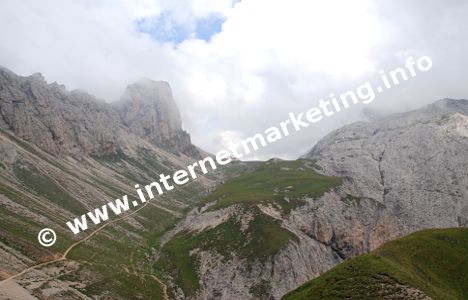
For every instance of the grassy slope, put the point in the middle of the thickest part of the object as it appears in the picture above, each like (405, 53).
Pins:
(270, 183)
(117, 255)
(434, 261)
(262, 239)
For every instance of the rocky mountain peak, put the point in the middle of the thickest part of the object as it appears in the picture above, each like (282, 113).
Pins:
(149, 110)
(150, 102)
(450, 106)
(148, 90)
(38, 77)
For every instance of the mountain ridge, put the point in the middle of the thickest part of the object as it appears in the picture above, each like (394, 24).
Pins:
(62, 121)
(251, 230)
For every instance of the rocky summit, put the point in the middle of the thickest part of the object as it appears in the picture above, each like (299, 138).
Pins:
(148, 110)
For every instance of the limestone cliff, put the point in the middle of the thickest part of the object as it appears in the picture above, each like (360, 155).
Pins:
(148, 110)
(70, 122)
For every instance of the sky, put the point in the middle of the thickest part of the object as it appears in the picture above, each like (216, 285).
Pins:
(239, 67)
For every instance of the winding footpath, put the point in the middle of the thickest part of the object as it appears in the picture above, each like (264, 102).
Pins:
(7, 282)
(19, 293)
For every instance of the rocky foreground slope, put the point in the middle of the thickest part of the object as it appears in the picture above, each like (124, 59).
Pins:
(397, 175)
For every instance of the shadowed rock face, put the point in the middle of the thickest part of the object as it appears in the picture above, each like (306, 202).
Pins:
(61, 121)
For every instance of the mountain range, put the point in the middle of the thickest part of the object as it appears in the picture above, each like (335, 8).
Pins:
(249, 230)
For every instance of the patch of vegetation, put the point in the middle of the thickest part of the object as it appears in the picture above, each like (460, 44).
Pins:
(126, 285)
(143, 167)
(177, 261)
(121, 262)
(434, 261)
(284, 183)
(114, 157)
(153, 162)
(109, 189)
(235, 168)
(263, 238)
(261, 290)
(43, 186)
(20, 233)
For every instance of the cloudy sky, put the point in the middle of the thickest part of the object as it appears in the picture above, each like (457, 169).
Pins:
(239, 67)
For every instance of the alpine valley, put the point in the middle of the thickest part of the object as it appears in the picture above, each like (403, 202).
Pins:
(249, 230)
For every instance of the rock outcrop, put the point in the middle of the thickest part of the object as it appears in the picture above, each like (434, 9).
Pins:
(71, 122)
(148, 110)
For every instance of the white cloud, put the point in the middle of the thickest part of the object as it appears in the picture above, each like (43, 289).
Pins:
(271, 56)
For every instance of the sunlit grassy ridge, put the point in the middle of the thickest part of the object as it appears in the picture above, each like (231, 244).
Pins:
(434, 261)
(283, 183)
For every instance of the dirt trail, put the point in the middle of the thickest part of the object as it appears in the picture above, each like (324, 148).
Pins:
(71, 247)
(6, 283)
(163, 285)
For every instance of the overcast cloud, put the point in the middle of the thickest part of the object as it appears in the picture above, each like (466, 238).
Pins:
(239, 67)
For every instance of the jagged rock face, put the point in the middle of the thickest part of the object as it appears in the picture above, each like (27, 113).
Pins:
(149, 110)
(54, 119)
(415, 164)
(61, 121)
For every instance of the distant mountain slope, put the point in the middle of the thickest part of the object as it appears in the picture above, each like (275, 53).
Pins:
(426, 264)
